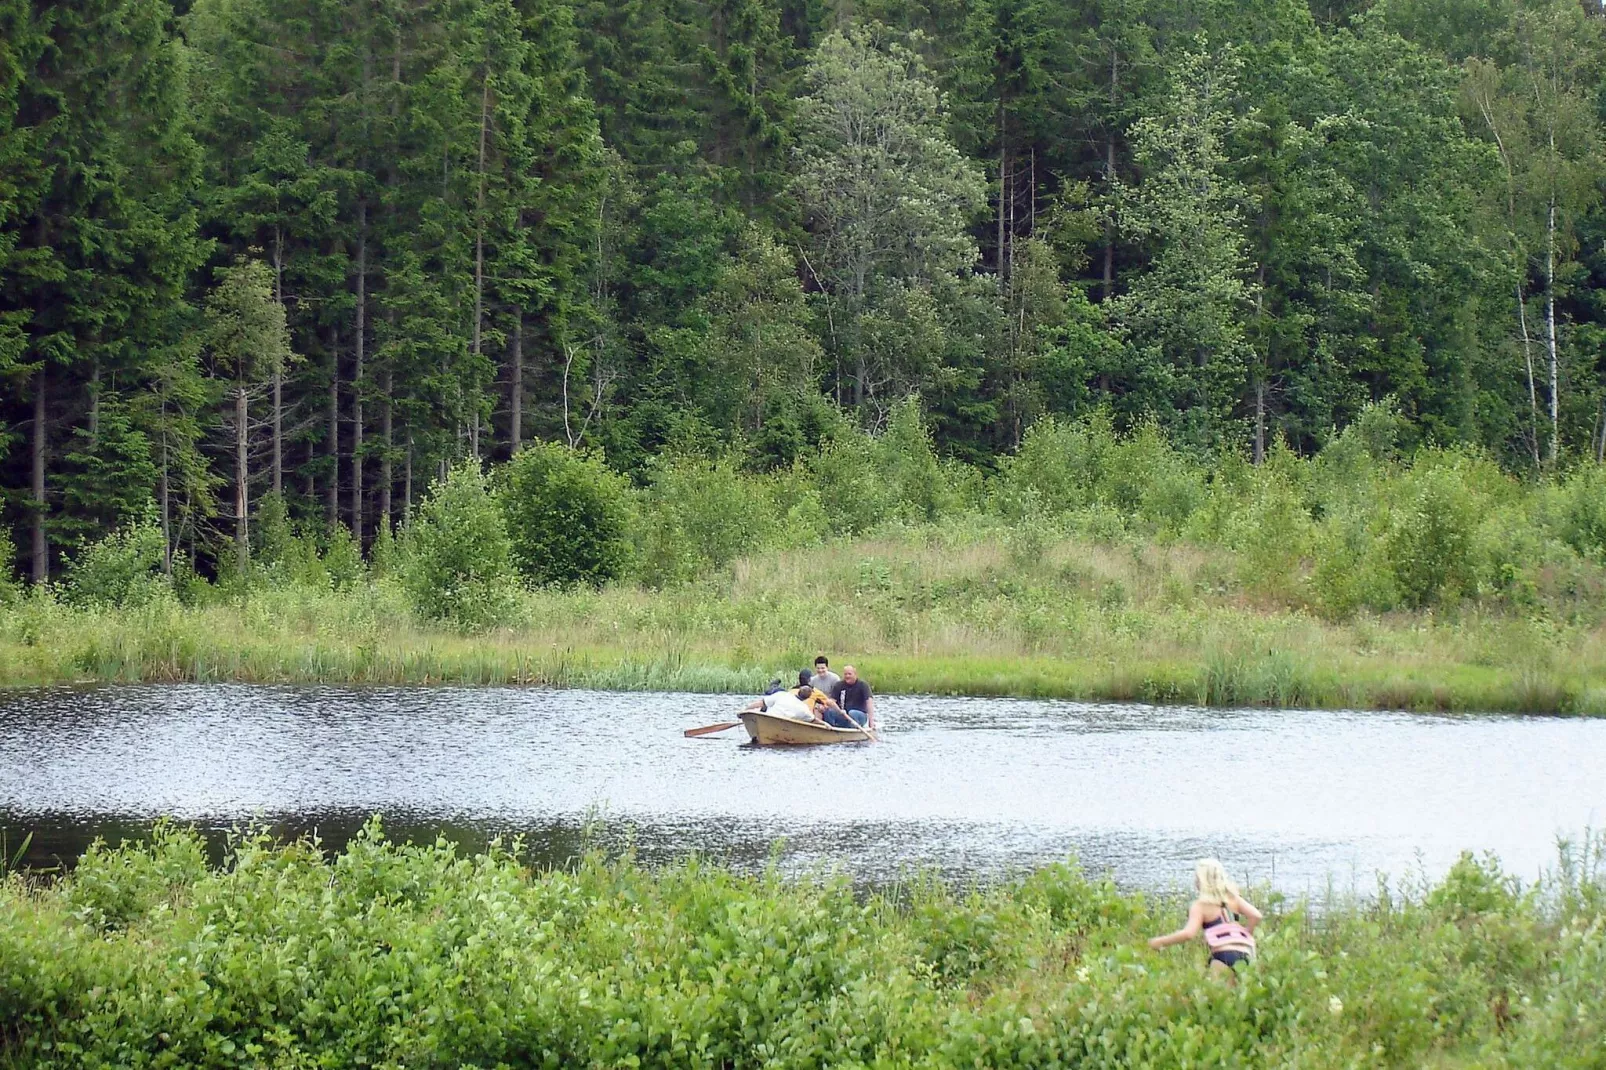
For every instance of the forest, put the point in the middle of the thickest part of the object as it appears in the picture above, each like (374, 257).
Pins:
(318, 255)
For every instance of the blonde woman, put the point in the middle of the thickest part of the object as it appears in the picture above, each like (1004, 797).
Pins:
(1214, 915)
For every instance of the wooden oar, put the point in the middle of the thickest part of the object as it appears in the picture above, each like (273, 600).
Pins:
(710, 729)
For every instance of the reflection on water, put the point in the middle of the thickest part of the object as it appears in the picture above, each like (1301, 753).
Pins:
(970, 787)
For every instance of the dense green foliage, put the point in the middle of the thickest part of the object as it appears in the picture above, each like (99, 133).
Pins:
(459, 564)
(1092, 565)
(324, 252)
(393, 955)
(568, 516)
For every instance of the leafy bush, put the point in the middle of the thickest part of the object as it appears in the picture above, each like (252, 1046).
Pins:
(121, 570)
(1429, 541)
(1057, 466)
(568, 516)
(909, 469)
(852, 494)
(280, 554)
(458, 557)
(699, 514)
(404, 955)
(342, 559)
(9, 588)
(1582, 511)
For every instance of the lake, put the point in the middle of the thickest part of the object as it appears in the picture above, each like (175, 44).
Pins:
(973, 788)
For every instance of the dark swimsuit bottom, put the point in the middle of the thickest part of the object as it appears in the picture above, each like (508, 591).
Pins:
(1227, 958)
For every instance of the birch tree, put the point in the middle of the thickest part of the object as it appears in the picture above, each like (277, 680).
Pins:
(884, 191)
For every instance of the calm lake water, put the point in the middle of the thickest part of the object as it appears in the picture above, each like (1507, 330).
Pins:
(975, 788)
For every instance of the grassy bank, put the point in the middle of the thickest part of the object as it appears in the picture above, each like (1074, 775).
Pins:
(958, 608)
(414, 956)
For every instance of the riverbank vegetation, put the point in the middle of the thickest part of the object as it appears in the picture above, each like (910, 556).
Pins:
(1091, 565)
(1224, 352)
(391, 955)
(324, 254)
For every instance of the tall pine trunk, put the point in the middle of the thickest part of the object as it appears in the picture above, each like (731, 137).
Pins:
(516, 390)
(479, 257)
(164, 497)
(278, 370)
(407, 482)
(242, 475)
(357, 372)
(385, 477)
(1550, 333)
(41, 549)
(1105, 292)
(332, 494)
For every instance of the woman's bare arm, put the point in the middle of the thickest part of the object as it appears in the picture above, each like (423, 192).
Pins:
(1184, 934)
(1252, 917)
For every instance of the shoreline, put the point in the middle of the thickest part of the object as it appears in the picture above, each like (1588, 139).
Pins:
(1270, 680)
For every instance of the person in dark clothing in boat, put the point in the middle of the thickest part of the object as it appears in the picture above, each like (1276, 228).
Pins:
(854, 700)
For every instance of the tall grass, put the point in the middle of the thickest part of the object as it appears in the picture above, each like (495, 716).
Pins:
(388, 955)
(966, 606)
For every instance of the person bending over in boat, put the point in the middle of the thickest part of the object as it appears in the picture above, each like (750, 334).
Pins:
(801, 703)
(854, 701)
(1214, 915)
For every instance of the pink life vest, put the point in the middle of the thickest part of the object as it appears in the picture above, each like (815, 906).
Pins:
(1227, 934)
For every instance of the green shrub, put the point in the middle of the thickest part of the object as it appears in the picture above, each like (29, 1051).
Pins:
(568, 516)
(852, 493)
(1429, 544)
(113, 887)
(1144, 477)
(457, 557)
(699, 514)
(417, 955)
(10, 590)
(916, 483)
(342, 559)
(1582, 511)
(1057, 467)
(280, 554)
(122, 569)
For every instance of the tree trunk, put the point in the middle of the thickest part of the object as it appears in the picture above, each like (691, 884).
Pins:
(1109, 183)
(165, 500)
(41, 549)
(332, 492)
(278, 371)
(94, 402)
(516, 391)
(407, 484)
(1260, 419)
(357, 372)
(1003, 192)
(385, 475)
(1550, 334)
(479, 257)
(242, 475)
(1528, 359)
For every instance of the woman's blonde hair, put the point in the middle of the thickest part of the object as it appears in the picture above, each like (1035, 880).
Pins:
(1213, 883)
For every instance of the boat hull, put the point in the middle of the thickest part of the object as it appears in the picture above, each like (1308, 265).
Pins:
(766, 729)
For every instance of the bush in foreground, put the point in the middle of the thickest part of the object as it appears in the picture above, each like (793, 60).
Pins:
(416, 956)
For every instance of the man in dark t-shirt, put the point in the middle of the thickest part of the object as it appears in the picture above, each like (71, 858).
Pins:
(855, 699)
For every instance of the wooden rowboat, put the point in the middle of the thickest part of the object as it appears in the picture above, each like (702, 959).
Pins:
(768, 728)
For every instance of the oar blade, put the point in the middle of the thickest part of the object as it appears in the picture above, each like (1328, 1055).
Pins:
(710, 729)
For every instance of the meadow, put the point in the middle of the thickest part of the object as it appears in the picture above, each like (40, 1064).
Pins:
(393, 955)
(1092, 566)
